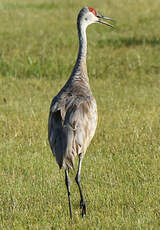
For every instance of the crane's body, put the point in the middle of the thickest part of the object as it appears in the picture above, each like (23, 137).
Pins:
(72, 123)
(73, 112)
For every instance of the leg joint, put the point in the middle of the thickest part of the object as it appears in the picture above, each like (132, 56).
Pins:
(77, 178)
(67, 180)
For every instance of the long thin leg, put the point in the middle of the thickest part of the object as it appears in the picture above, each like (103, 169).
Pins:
(67, 181)
(77, 178)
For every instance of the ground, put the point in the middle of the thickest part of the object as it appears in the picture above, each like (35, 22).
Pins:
(121, 169)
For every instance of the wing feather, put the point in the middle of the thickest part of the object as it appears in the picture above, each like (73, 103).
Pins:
(67, 128)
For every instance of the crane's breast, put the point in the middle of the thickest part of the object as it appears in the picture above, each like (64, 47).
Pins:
(86, 124)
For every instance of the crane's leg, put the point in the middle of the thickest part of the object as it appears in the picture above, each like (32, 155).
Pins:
(77, 178)
(67, 181)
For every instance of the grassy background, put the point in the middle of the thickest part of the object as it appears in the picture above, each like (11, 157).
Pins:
(121, 170)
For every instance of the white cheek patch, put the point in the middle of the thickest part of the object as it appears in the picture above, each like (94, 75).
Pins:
(92, 18)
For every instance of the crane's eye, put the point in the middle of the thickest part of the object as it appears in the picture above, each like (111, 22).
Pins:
(86, 19)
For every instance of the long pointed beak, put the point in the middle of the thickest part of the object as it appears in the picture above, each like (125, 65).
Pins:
(100, 17)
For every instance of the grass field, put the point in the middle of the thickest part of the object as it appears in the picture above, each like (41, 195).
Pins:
(121, 169)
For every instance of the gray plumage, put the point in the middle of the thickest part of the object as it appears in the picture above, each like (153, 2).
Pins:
(73, 112)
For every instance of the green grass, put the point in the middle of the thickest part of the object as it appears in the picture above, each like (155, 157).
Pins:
(121, 169)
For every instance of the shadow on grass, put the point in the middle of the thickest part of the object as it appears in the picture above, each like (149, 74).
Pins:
(128, 42)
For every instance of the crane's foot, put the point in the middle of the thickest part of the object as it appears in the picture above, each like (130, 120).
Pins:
(83, 207)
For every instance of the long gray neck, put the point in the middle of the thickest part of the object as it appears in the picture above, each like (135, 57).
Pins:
(80, 67)
(82, 42)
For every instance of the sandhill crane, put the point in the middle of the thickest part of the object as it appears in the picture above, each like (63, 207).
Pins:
(73, 112)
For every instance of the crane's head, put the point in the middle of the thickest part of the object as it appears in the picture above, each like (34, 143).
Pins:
(88, 15)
